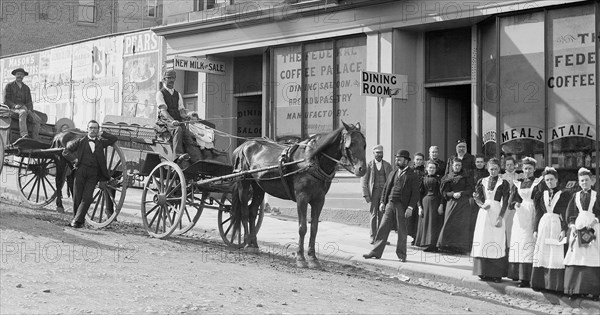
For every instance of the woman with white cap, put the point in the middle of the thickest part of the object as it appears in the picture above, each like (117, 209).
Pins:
(522, 243)
(549, 230)
(582, 261)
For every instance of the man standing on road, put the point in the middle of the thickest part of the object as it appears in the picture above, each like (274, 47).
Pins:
(400, 196)
(372, 183)
(17, 96)
(91, 168)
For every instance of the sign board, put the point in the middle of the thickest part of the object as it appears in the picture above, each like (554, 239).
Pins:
(384, 84)
(199, 65)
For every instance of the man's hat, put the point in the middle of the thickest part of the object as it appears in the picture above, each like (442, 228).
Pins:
(170, 73)
(403, 153)
(378, 148)
(461, 140)
(14, 72)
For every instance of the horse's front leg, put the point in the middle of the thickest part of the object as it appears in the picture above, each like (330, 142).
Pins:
(315, 211)
(302, 207)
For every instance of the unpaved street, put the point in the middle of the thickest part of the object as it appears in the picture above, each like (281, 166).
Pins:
(50, 268)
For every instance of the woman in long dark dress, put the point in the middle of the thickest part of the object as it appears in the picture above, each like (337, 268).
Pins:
(582, 262)
(522, 243)
(550, 229)
(490, 261)
(431, 209)
(457, 188)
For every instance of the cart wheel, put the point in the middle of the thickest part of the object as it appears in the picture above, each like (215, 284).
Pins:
(163, 197)
(1, 154)
(230, 222)
(108, 201)
(194, 204)
(36, 180)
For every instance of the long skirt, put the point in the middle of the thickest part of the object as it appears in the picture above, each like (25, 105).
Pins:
(582, 263)
(548, 266)
(431, 222)
(489, 244)
(522, 243)
(454, 235)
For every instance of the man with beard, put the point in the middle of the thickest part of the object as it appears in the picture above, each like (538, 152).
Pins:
(372, 183)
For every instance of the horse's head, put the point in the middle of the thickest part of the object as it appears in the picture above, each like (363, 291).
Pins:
(354, 145)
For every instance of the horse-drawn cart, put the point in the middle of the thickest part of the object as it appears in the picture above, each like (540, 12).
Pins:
(41, 170)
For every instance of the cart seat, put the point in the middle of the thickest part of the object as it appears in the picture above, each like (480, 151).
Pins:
(9, 121)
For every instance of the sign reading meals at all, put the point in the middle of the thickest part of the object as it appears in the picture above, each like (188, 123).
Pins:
(199, 65)
(383, 84)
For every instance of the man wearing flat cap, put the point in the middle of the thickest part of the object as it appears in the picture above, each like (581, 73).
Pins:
(399, 198)
(17, 96)
(373, 182)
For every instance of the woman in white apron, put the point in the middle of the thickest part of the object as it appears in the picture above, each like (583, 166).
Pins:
(489, 239)
(550, 229)
(582, 262)
(522, 243)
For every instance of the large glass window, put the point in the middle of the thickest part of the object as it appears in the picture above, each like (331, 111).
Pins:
(490, 91)
(315, 87)
(522, 101)
(571, 87)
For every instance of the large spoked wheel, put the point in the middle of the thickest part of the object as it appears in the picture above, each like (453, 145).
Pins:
(37, 180)
(230, 222)
(194, 204)
(109, 196)
(163, 198)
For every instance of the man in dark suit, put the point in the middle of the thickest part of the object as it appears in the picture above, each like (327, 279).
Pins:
(468, 160)
(90, 165)
(378, 170)
(399, 198)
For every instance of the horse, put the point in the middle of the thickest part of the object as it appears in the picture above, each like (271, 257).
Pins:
(306, 182)
(64, 164)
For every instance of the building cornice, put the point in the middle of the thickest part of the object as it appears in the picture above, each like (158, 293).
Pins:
(263, 16)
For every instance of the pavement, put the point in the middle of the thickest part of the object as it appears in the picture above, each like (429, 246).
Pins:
(346, 243)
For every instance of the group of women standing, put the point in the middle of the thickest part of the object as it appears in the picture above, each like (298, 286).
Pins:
(554, 238)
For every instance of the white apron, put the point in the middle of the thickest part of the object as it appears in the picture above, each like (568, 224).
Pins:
(549, 255)
(584, 255)
(522, 242)
(489, 241)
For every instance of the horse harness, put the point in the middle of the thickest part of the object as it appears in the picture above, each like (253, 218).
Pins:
(313, 167)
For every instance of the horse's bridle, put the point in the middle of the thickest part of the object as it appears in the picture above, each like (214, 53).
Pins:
(345, 143)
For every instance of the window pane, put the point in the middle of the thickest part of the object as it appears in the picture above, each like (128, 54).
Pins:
(455, 45)
(287, 94)
(522, 99)
(351, 54)
(571, 87)
(191, 82)
(318, 76)
(490, 92)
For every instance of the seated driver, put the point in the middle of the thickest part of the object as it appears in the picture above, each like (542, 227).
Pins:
(172, 112)
(17, 97)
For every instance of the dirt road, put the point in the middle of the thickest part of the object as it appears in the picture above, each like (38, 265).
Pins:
(47, 267)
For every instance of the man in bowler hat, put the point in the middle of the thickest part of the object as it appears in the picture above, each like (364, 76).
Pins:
(399, 198)
(90, 163)
(17, 96)
(378, 170)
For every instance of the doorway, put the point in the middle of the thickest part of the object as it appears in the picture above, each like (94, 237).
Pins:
(249, 117)
(449, 117)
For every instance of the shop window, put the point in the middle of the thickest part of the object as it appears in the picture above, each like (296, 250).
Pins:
(571, 83)
(152, 8)
(203, 5)
(522, 100)
(287, 92)
(490, 94)
(87, 11)
(350, 54)
(315, 87)
(190, 90)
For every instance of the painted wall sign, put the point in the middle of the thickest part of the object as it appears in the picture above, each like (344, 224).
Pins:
(523, 133)
(383, 84)
(199, 65)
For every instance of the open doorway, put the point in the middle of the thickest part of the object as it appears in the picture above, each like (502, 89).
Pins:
(449, 117)
(249, 117)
